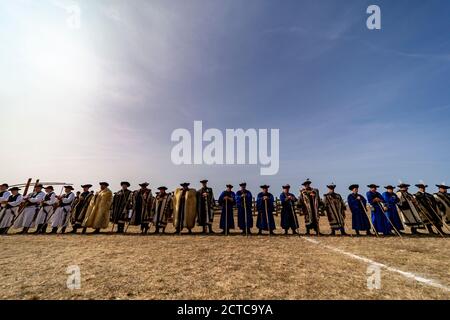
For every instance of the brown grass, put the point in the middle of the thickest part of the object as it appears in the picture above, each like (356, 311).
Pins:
(218, 267)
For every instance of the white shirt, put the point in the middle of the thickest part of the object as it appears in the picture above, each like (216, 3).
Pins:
(17, 202)
(69, 198)
(38, 197)
(52, 199)
(5, 196)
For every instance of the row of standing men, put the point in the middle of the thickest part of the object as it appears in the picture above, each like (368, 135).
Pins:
(389, 212)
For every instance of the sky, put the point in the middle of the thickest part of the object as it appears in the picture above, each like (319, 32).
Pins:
(98, 100)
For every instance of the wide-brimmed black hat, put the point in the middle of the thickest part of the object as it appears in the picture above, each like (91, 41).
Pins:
(403, 185)
(307, 182)
(331, 186)
(442, 186)
(39, 186)
(49, 187)
(389, 187)
(68, 187)
(185, 184)
(229, 186)
(5, 185)
(204, 181)
(126, 183)
(144, 184)
(86, 185)
(372, 185)
(162, 188)
(243, 184)
(264, 186)
(421, 185)
(286, 186)
(104, 183)
(353, 186)
(14, 189)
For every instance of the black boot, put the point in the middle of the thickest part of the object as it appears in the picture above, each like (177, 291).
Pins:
(119, 228)
(54, 230)
(84, 230)
(414, 230)
(63, 230)
(24, 230)
(307, 231)
(259, 231)
(294, 231)
(271, 232)
(286, 231)
(38, 229)
(96, 231)
(369, 233)
(343, 232)
(204, 230)
(190, 231)
(357, 232)
(2, 230)
(430, 229)
(44, 229)
(210, 230)
(74, 229)
(157, 230)
(249, 231)
(333, 232)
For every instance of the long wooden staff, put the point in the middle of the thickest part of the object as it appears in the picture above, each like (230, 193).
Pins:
(245, 213)
(431, 222)
(267, 216)
(368, 217)
(389, 220)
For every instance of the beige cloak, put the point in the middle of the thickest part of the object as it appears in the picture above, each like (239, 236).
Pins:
(190, 208)
(97, 214)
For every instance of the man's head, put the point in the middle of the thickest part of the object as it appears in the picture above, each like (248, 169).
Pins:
(14, 190)
(104, 185)
(48, 189)
(331, 187)
(286, 188)
(38, 187)
(125, 185)
(204, 183)
(422, 187)
(86, 187)
(229, 187)
(442, 187)
(243, 185)
(185, 185)
(68, 189)
(265, 188)
(162, 190)
(144, 185)
(389, 188)
(403, 186)
(307, 184)
(354, 188)
(372, 187)
(4, 187)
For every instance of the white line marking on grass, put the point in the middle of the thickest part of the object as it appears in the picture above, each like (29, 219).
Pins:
(410, 275)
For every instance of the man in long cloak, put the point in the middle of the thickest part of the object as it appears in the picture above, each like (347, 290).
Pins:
(265, 206)
(62, 213)
(379, 219)
(227, 201)
(288, 216)
(10, 209)
(205, 203)
(80, 207)
(142, 202)
(443, 201)
(97, 215)
(408, 208)
(309, 202)
(46, 211)
(391, 201)
(428, 207)
(334, 207)
(26, 219)
(185, 208)
(162, 209)
(358, 206)
(244, 201)
(120, 206)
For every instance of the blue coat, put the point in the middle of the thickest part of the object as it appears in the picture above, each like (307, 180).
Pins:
(391, 200)
(261, 221)
(360, 221)
(288, 218)
(241, 209)
(379, 220)
(226, 216)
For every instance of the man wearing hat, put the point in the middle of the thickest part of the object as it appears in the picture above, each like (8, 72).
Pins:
(288, 216)
(408, 208)
(227, 201)
(142, 201)
(97, 214)
(46, 210)
(443, 200)
(62, 212)
(4, 194)
(310, 204)
(26, 219)
(162, 209)
(244, 201)
(205, 202)
(391, 200)
(10, 210)
(334, 207)
(80, 207)
(185, 208)
(265, 207)
(121, 206)
(428, 209)
(379, 219)
(357, 204)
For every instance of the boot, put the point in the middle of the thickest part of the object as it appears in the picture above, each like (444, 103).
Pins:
(369, 233)
(177, 230)
(157, 230)
(430, 229)
(38, 229)
(286, 231)
(63, 230)
(294, 231)
(84, 230)
(249, 231)
(357, 232)
(24, 230)
(414, 230)
(2, 230)
(333, 232)
(96, 231)
(190, 231)
(307, 231)
(343, 232)
(44, 229)
(210, 228)
(119, 228)
(259, 232)
(74, 229)
(54, 230)
(204, 230)
(271, 232)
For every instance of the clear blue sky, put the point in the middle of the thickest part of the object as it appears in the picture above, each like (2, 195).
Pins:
(100, 102)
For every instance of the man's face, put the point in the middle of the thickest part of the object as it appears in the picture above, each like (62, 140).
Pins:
(124, 187)
(442, 190)
(162, 192)
(242, 188)
(228, 189)
(265, 190)
(3, 188)
(390, 190)
(204, 184)
(85, 189)
(373, 189)
(355, 190)
(422, 189)
(14, 192)
(330, 190)
(286, 190)
(308, 186)
(48, 190)
(102, 187)
(67, 190)
(38, 189)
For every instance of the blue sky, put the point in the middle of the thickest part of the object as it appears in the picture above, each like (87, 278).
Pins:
(100, 102)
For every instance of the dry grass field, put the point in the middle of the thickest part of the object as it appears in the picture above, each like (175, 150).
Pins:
(220, 267)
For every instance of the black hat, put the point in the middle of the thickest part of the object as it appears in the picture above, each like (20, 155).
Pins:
(185, 184)
(403, 185)
(39, 186)
(389, 187)
(86, 185)
(104, 184)
(353, 186)
(331, 186)
(421, 185)
(243, 184)
(5, 185)
(307, 182)
(14, 189)
(204, 181)
(162, 188)
(68, 187)
(125, 183)
(372, 185)
(49, 187)
(286, 186)
(144, 184)
(230, 186)
(442, 186)
(264, 186)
